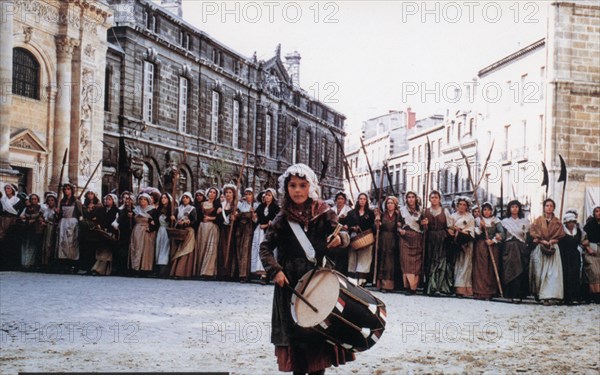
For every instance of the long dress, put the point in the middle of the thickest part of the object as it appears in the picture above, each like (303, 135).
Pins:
(463, 266)
(515, 258)
(545, 271)
(67, 246)
(485, 284)
(340, 255)
(49, 237)
(265, 214)
(124, 224)
(388, 250)
(591, 262)
(441, 273)
(106, 247)
(207, 240)
(411, 249)
(10, 240)
(570, 258)
(359, 261)
(31, 246)
(298, 349)
(143, 239)
(244, 231)
(163, 243)
(227, 249)
(185, 257)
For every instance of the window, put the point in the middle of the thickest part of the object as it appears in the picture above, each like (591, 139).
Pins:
(542, 79)
(268, 135)
(432, 149)
(107, 79)
(522, 90)
(236, 123)
(458, 131)
(148, 91)
(183, 182)
(26, 74)
(448, 132)
(295, 138)
(506, 135)
(324, 150)
(150, 22)
(524, 133)
(183, 99)
(471, 126)
(214, 119)
(180, 39)
(309, 149)
(146, 179)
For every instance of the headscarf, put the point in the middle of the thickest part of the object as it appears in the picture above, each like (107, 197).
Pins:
(114, 198)
(303, 171)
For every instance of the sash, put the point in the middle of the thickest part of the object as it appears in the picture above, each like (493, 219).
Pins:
(308, 248)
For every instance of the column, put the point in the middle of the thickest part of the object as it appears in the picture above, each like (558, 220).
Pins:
(62, 114)
(7, 174)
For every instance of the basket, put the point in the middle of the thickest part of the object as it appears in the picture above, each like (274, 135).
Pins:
(547, 250)
(176, 234)
(362, 240)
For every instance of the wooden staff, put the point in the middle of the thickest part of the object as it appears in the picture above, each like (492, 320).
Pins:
(562, 177)
(60, 177)
(349, 172)
(425, 200)
(89, 180)
(389, 177)
(476, 196)
(378, 226)
(368, 164)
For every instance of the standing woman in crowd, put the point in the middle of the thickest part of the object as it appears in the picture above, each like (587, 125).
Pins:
(440, 279)
(515, 258)
(243, 233)
(50, 218)
(297, 349)
(461, 228)
(360, 219)
(70, 213)
(388, 224)
(207, 240)
(546, 279)
(199, 198)
(186, 256)
(105, 249)
(342, 210)
(591, 255)
(31, 247)
(265, 213)
(570, 258)
(485, 285)
(227, 246)
(163, 243)
(92, 209)
(10, 207)
(411, 242)
(143, 236)
(124, 225)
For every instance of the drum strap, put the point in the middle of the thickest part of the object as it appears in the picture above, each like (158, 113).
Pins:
(308, 248)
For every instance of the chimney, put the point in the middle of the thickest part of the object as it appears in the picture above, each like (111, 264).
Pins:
(411, 118)
(292, 62)
(173, 6)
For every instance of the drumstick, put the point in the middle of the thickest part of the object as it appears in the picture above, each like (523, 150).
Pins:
(301, 298)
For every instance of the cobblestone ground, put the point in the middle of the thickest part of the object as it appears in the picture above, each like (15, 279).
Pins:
(85, 323)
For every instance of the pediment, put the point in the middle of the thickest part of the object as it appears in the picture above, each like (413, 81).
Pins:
(25, 139)
(275, 67)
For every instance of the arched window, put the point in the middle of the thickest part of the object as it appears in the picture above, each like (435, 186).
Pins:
(26, 74)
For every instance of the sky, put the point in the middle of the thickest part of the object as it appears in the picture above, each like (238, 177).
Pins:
(364, 58)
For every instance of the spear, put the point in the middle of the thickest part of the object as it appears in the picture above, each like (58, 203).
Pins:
(563, 178)
(476, 196)
(89, 179)
(545, 180)
(368, 164)
(377, 231)
(389, 177)
(60, 176)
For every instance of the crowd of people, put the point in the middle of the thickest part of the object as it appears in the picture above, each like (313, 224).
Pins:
(215, 234)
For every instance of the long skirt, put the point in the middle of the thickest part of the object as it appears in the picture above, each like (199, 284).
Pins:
(570, 258)
(104, 258)
(141, 248)
(244, 233)
(256, 265)
(207, 244)
(411, 258)
(515, 269)
(463, 271)
(441, 273)
(546, 274)
(484, 278)
(184, 260)
(591, 268)
(163, 246)
(227, 252)
(31, 249)
(68, 239)
(388, 247)
(48, 242)
(359, 263)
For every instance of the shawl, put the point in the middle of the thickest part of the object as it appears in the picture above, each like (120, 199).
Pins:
(544, 230)
(516, 228)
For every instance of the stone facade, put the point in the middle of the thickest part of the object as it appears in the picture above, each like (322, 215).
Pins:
(57, 105)
(178, 99)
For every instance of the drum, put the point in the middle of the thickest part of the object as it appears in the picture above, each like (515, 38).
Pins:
(363, 240)
(348, 315)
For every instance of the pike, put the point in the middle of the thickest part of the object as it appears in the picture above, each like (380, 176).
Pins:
(346, 164)
(545, 179)
(389, 177)
(60, 176)
(476, 196)
(368, 164)
(378, 227)
(563, 178)
(89, 180)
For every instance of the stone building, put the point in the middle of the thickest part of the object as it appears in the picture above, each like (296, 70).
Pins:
(178, 99)
(53, 55)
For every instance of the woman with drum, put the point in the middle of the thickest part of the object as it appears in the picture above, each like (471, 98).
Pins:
(515, 257)
(143, 236)
(185, 257)
(297, 349)
(388, 224)
(70, 214)
(31, 246)
(411, 242)
(461, 228)
(485, 285)
(440, 279)
(207, 239)
(265, 213)
(360, 220)
(546, 278)
(163, 242)
(106, 247)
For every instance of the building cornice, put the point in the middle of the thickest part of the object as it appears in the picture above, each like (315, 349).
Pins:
(512, 57)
